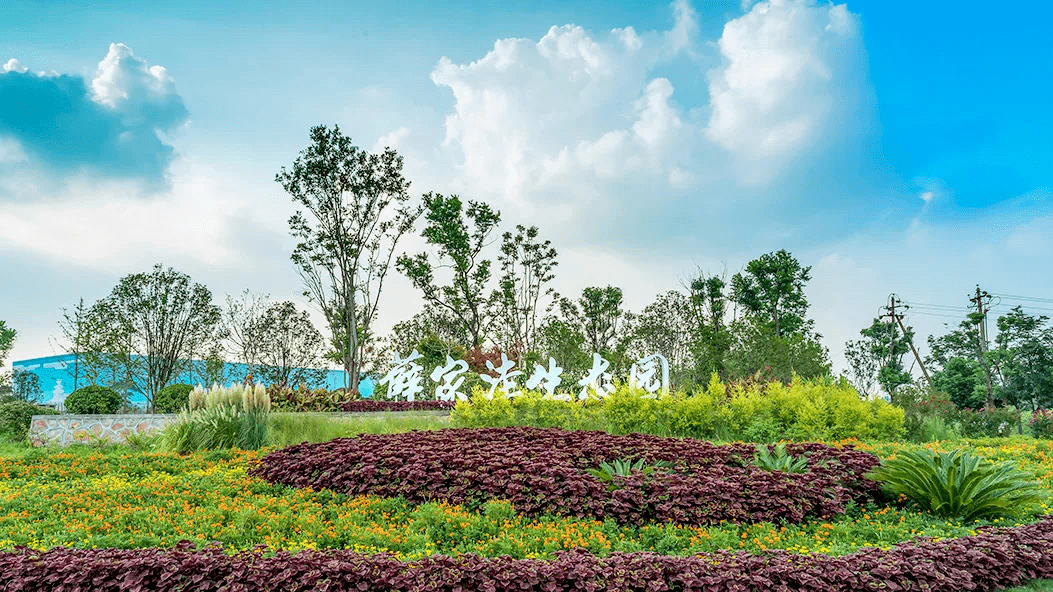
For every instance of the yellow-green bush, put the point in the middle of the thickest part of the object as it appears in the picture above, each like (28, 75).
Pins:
(801, 410)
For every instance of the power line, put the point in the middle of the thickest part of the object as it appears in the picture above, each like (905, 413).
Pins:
(1031, 298)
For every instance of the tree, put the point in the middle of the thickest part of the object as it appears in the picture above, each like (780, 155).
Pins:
(666, 326)
(711, 339)
(358, 205)
(459, 235)
(7, 343)
(963, 381)
(756, 348)
(238, 319)
(101, 346)
(165, 318)
(526, 266)
(1024, 358)
(888, 346)
(598, 316)
(862, 364)
(966, 342)
(290, 348)
(25, 386)
(772, 290)
(559, 339)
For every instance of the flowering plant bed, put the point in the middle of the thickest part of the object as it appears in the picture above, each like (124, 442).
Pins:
(547, 471)
(367, 405)
(996, 558)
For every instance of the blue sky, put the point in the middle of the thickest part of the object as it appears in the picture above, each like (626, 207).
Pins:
(895, 147)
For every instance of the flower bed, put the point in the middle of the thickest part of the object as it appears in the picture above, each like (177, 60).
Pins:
(544, 471)
(369, 405)
(990, 560)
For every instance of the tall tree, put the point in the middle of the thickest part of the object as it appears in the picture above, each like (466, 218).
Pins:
(967, 342)
(526, 269)
(101, 346)
(888, 345)
(166, 317)
(7, 343)
(756, 348)
(863, 365)
(711, 340)
(459, 236)
(1024, 357)
(357, 203)
(239, 319)
(666, 326)
(772, 289)
(599, 317)
(289, 347)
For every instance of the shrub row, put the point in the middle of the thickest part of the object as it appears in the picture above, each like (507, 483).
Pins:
(756, 412)
(545, 471)
(365, 405)
(991, 560)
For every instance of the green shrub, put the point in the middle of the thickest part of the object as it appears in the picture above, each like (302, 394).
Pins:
(16, 416)
(623, 468)
(172, 398)
(222, 417)
(990, 423)
(93, 400)
(957, 485)
(758, 412)
(1042, 424)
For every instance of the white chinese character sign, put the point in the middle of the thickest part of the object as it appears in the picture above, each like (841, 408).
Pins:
(404, 380)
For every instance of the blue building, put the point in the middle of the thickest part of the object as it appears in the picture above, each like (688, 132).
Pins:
(58, 377)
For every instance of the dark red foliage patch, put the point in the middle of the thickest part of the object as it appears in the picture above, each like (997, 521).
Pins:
(544, 471)
(364, 405)
(991, 560)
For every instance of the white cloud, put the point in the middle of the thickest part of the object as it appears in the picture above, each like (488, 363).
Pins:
(392, 140)
(793, 71)
(14, 65)
(121, 76)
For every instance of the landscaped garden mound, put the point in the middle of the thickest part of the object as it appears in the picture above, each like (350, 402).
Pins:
(547, 471)
(991, 560)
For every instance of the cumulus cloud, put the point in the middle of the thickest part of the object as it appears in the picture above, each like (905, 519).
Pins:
(107, 126)
(580, 128)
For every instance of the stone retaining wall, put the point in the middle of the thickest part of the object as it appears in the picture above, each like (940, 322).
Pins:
(63, 430)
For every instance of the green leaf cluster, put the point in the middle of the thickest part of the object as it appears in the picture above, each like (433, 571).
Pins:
(93, 400)
(777, 459)
(957, 484)
(624, 468)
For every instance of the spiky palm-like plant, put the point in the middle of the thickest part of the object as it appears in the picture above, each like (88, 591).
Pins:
(957, 484)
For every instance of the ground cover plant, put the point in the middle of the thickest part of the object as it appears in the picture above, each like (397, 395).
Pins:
(130, 500)
(371, 405)
(547, 471)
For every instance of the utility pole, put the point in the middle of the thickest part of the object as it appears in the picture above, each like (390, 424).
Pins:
(981, 329)
(897, 319)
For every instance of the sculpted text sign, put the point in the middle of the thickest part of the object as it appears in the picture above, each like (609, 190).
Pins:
(405, 379)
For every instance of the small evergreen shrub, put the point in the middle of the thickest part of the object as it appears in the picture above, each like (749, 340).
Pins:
(93, 400)
(16, 416)
(957, 485)
(172, 398)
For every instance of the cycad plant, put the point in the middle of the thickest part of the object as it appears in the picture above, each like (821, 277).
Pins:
(957, 484)
(779, 460)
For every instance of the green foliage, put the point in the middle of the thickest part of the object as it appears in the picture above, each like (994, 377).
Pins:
(756, 348)
(989, 422)
(759, 412)
(357, 205)
(172, 398)
(93, 400)
(777, 459)
(222, 417)
(888, 344)
(458, 236)
(771, 289)
(1041, 423)
(16, 416)
(289, 348)
(957, 484)
(963, 380)
(599, 318)
(623, 468)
